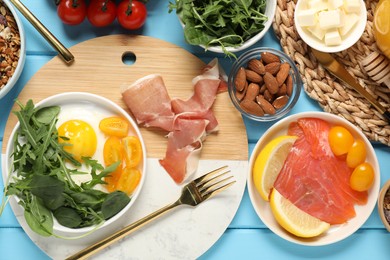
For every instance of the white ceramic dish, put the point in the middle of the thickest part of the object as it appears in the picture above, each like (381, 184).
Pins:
(269, 12)
(351, 38)
(336, 232)
(87, 102)
(19, 68)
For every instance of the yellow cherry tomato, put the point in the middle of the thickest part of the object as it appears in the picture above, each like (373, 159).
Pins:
(129, 180)
(356, 154)
(132, 151)
(113, 151)
(340, 140)
(362, 177)
(114, 126)
(112, 179)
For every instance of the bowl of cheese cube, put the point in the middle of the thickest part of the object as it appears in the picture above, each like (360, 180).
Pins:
(330, 25)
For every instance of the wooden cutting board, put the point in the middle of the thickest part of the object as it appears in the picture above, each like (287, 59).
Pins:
(98, 68)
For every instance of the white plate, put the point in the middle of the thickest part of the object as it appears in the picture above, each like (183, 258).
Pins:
(185, 233)
(336, 232)
(87, 107)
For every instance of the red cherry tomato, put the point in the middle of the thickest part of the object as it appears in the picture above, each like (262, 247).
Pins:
(72, 12)
(131, 14)
(101, 13)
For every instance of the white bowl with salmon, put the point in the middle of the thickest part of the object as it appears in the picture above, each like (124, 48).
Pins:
(313, 178)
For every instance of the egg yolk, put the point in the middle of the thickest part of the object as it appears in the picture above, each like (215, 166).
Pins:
(82, 138)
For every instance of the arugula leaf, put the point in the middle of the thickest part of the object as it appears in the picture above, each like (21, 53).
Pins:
(223, 23)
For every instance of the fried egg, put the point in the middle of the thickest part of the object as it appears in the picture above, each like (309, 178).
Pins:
(79, 121)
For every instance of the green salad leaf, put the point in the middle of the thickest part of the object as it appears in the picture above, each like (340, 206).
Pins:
(43, 182)
(224, 23)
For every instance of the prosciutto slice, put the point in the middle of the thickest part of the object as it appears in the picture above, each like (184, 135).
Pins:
(149, 102)
(187, 121)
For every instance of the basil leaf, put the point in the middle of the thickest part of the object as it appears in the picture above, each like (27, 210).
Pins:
(46, 187)
(39, 218)
(114, 203)
(67, 217)
(47, 115)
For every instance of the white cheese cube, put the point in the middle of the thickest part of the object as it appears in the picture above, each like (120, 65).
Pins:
(329, 19)
(352, 6)
(349, 22)
(307, 18)
(334, 4)
(317, 31)
(332, 37)
(318, 5)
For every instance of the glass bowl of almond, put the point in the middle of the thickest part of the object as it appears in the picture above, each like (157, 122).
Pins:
(264, 84)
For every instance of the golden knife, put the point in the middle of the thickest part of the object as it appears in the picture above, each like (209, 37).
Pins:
(65, 54)
(338, 70)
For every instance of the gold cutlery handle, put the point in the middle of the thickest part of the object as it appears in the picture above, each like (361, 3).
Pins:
(83, 254)
(66, 55)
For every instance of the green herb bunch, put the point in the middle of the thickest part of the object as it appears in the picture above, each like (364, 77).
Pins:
(224, 23)
(43, 182)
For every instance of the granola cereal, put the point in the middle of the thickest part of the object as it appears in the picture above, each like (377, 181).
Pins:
(9, 44)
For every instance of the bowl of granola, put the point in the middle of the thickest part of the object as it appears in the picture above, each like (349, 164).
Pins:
(12, 47)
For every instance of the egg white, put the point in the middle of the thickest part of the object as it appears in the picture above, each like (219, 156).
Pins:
(91, 114)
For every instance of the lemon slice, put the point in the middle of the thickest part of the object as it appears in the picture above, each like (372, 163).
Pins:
(269, 162)
(293, 219)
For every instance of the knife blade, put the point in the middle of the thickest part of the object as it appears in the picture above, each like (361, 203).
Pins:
(339, 71)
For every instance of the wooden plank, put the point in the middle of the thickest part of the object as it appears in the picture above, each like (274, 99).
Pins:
(99, 69)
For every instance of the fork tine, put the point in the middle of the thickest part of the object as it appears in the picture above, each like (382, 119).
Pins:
(214, 192)
(212, 180)
(208, 175)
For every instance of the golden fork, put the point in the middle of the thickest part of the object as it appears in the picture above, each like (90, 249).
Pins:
(192, 194)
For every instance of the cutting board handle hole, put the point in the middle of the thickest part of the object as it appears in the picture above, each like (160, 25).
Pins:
(128, 58)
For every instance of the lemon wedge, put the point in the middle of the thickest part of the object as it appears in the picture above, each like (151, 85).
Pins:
(293, 219)
(269, 162)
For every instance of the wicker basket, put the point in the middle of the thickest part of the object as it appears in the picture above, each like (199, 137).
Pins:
(332, 95)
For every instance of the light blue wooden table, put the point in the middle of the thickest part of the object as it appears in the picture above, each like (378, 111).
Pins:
(247, 237)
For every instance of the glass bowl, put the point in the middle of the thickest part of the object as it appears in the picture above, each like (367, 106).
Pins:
(242, 62)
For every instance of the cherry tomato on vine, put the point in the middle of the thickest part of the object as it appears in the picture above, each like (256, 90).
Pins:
(101, 13)
(131, 14)
(72, 12)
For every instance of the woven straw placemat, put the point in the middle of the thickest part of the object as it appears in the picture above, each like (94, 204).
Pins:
(333, 95)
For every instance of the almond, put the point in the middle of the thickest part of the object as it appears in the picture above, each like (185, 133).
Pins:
(282, 90)
(252, 91)
(262, 89)
(272, 67)
(271, 83)
(252, 76)
(240, 79)
(280, 102)
(268, 57)
(251, 107)
(289, 85)
(283, 73)
(241, 94)
(257, 66)
(268, 96)
(265, 105)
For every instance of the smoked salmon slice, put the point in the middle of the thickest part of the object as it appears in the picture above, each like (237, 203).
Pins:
(314, 179)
